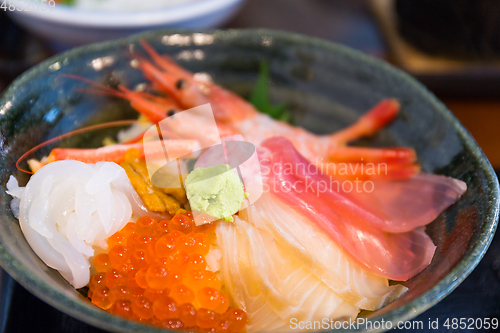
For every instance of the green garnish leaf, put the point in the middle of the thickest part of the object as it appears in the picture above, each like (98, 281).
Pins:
(260, 97)
(68, 2)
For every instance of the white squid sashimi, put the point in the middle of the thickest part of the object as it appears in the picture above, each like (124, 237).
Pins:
(321, 255)
(266, 280)
(68, 207)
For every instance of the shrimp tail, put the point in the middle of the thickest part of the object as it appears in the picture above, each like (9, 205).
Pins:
(394, 163)
(369, 171)
(399, 155)
(375, 119)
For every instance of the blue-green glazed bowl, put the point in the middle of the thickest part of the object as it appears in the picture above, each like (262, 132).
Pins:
(325, 86)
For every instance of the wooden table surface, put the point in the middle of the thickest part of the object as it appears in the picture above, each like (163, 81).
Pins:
(482, 119)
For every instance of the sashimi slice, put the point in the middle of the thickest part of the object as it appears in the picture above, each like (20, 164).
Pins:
(270, 284)
(319, 254)
(358, 230)
(402, 205)
(394, 206)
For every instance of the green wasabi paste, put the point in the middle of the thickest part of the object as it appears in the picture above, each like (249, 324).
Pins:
(217, 191)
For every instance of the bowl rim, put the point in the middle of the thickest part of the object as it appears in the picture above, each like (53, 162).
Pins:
(127, 19)
(445, 286)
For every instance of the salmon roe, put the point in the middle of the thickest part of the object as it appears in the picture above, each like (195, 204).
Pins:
(156, 273)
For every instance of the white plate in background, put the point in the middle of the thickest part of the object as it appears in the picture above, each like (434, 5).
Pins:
(73, 26)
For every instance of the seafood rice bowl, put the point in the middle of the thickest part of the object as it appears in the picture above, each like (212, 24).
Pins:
(176, 183)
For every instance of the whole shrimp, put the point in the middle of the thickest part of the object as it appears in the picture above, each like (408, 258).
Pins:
(234, 115)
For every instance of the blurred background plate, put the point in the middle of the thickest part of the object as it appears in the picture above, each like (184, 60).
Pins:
(67, 26)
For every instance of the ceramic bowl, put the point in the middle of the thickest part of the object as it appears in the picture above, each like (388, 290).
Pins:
(68, 26)
(325, 86)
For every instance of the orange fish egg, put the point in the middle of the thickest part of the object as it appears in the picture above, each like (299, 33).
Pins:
(137, 291)
(143, 242)
(175, 234)
(176, 274)
(118, 238)
(126, 267)
(145, 225)
(181, 223)
(202, 244)
(165, 245)
(182, 294)
(238, 319)
(122, 308)
(97, 281)
(132, 240)
(194, 279)
(165, 308)
(207, 318)
(138, 259)
(151, 253)
(140, 278)
(162, 228)
(100, 297)
(156, 273)
(224, 304)
(131, 278)
(211, 280)
(197, 262)
(187, 314)
(128, 229)
(163, 261)
(153, 294)
(120, 293)
(115, 278)
(187, 243)
(223, 326)
(142, 307)
(102, 262)
(119, 255)
(178, 259)
(209, 298)
(172, 324)
(157, 277)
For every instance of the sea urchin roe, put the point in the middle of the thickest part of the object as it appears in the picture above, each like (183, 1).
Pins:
(156, 199)
(157, 274)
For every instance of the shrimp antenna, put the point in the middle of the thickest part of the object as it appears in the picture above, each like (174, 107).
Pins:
(98, 88)
(110, 124)
(153, 54)
(95, 91)
(82, 79)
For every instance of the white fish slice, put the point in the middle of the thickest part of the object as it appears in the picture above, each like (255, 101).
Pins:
(266, 280)
(322, 256)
